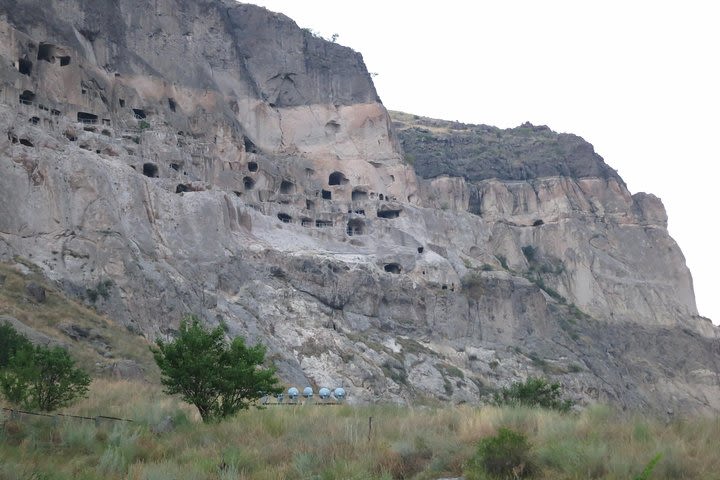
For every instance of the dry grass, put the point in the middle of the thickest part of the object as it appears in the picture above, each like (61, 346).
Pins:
(333, 443)
(58, 310)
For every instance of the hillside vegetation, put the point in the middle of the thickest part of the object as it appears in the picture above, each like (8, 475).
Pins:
(169, 441)
(100, 345)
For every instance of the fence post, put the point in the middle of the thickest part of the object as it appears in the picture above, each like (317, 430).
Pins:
(369, 427)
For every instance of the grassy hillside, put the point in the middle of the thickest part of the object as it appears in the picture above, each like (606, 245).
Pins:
(96, 342)
(334, 442)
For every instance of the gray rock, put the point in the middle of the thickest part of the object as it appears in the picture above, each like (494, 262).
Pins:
(36, 292)
(166, 425)
(243, 170)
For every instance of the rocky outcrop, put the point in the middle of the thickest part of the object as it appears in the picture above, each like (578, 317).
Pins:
(213, 158)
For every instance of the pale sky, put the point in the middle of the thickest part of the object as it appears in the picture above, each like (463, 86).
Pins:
(640, 80)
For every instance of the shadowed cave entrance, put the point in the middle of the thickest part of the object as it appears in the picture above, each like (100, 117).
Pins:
(355, 227)
(393, 268)
(150, 170)
(337, 178)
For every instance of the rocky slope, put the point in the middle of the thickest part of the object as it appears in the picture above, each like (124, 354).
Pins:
(213, 158)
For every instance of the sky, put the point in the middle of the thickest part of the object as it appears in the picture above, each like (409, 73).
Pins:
(640, 80)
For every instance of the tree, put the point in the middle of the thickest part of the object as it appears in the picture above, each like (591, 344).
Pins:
(534, 392)
(218, 378)
(10, 342)
(44, 378)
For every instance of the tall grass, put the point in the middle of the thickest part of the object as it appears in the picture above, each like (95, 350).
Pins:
(335, 443)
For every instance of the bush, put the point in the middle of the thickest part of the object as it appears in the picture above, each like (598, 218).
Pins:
(219, 379)
(43, 378)
(10, 342)
(534, 392)
(507, 455)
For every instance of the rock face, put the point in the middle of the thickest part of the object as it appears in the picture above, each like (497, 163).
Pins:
(213, 158)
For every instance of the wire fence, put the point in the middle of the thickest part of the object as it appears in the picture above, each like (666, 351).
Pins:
(15, 414)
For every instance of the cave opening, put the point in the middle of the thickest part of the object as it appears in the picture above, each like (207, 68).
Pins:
(359, 195)
(27, 97)
(284, 217)
(85, 117)
(337, 178)
(250, 147)
(355, 227)
(252, 166)
(249, 183)
(309, 205)
(381, 197)
(121, 102)
(46, 52)
(175, 166)
(421, 249)
(26, 142)
(172, 104)
(287, 187)
(323, 223)
(25, 66)
(65, 61)
(306, 222)
(537, 223)
(388, 213)
(34, 120)
(139, 113)
(326, 195)
(150, 170)
(393, 268)
(182, 188)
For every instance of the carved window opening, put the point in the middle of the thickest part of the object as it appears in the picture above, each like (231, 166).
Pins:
(85, 117)
(250, 147)
(27, 97)
(46, 52)
(388, 213)
(355, 227)
(25, 66)
(287, 187)
(359, 195)
(337, 178)
(393, 268)
(249, 183)
(150, 170)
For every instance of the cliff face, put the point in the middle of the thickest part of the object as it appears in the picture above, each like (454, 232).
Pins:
(213, 158)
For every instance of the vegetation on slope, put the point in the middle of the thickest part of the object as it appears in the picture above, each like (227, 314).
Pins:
(332, 442)
(95, 341)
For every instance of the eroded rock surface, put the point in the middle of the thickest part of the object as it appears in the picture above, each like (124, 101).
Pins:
(213, 158)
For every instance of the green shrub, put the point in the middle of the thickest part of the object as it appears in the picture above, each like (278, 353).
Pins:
(507, 455)
(43, 378)
(533, 392)
(10, 342)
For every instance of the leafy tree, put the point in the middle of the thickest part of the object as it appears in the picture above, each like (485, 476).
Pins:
(10, 342)
(44, 378)
(534, 392)
(219, 379)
